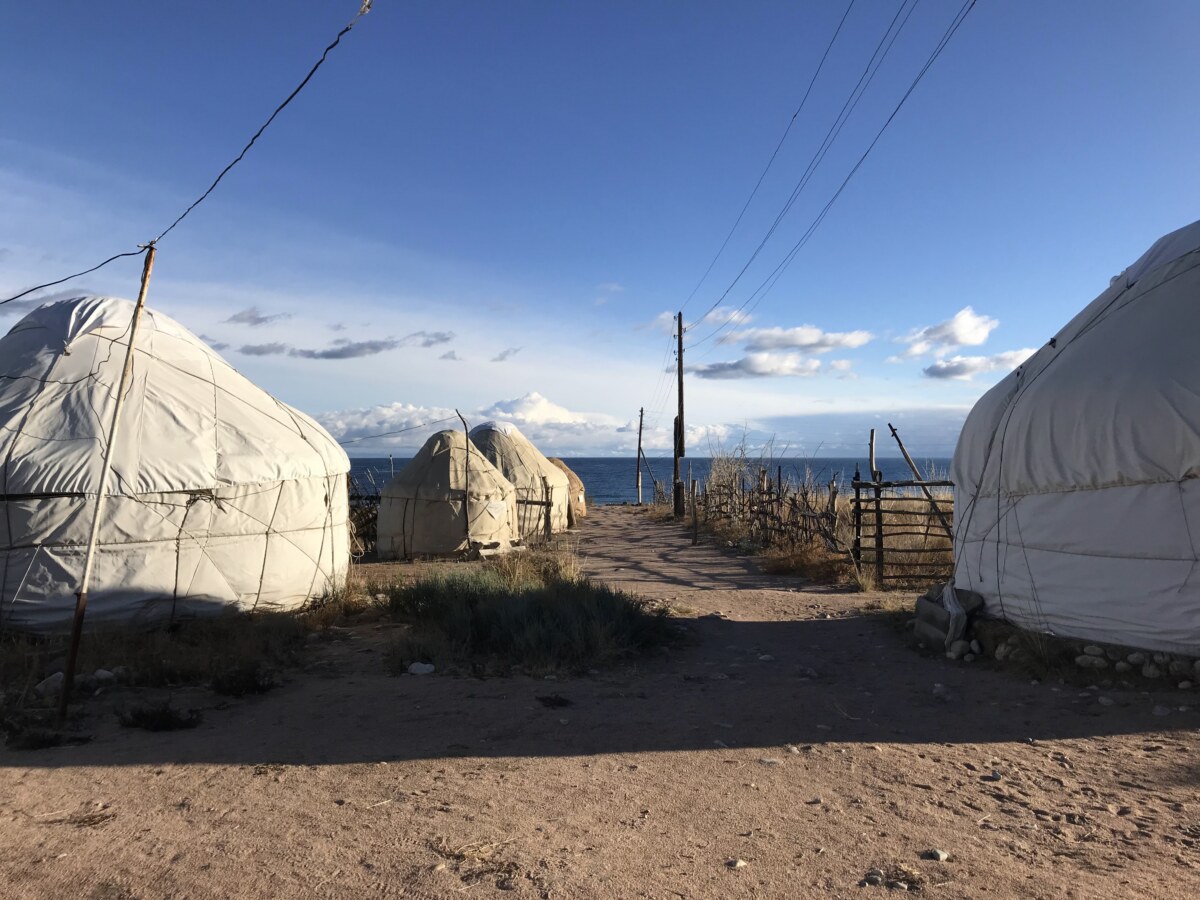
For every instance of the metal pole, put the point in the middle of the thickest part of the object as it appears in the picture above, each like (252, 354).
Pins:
(114, 430)
(679, 428)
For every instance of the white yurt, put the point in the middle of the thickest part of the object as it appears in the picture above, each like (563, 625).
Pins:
(577, 507)
(530, 473)
(1077, 501)
(220, 498)
(448, 499)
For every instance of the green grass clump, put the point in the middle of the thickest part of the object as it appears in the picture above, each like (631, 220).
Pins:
(527, 615)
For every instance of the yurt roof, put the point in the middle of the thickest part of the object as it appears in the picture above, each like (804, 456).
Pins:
(190, 420)
(439, 467)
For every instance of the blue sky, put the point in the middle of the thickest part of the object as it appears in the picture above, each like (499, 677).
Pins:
(531, 186)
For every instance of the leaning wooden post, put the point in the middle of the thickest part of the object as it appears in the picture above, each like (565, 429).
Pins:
(466, 478)
(114, 430)
(917, 474)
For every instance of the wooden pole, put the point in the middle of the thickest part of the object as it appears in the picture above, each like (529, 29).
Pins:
(679, 426)
(878, 537)
(114, 430)
(917, 474)
(641, 416)
(695, 518)
(871, 451)
(857, 550)
(546, 496)
(466, 477)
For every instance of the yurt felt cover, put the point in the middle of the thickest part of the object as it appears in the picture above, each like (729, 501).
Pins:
(425, 510)
(577, 508)
(1077, 504)
(525, 466)
(221, 497)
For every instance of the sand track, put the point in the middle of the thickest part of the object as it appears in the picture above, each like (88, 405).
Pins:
(799, 734)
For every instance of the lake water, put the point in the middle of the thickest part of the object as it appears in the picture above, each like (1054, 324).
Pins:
(612, 480)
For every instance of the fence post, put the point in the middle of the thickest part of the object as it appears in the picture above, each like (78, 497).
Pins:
(546, 495)
(695, 518)
(878, 536)
(856, 551)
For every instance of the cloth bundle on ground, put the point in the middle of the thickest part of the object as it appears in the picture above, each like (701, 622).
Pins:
(1077, 497)
(577, 507)
(530, 473)
(943, 613)
(448, 498)
(221, 497)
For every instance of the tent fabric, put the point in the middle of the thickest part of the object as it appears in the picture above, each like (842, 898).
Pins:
(444, 501)
(529, 471)
(1077, 505)
(221, 497)
(577, 506)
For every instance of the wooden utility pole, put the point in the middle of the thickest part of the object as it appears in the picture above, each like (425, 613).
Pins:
(641, 416)
(81, 596)
(680, 502)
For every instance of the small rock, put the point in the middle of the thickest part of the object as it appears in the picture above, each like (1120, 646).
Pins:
(766, 657)
(1161, 659)
(506, 884)
(1136, 659)
(1162, 710)
(875, 873)
(1093, 650)
(1178, 667)
(420, 668)
(1105, 701)
(995, 776)
(104, 677)
(1091, 662)
(1114, 654)
(736, 863)
(1002, 652)
(970, 657)
(1122, 666)
(50, 687)
(958, 649)
(897, 886)
(123, 674)
(976, 648)
(1185, 685)
(936, 855)
(871, 880)
(770, 761)
(1150, 670)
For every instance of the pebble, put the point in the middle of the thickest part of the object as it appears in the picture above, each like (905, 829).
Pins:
(1091, 662)
(1185, 685)
(736, 863)
(995, 776)
(936, 855)
(958, 649)
(897, 886)
(1161, 659)
(875, 873)
(1105, 701)
(766, 657)
(1149, 670)
(1093, 650)
(970, 657)
(770, 761)
(872, 880)
(1162, 710)
(976, 648)
(1179, 667)
(104, 677)
(1122, 666)
(420, 668)
(50, 687)
(1136, 659)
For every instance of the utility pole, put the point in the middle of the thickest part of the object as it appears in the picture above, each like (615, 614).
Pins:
(680, 501)
(641, 415)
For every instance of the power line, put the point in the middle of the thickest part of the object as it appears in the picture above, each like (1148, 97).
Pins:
(856, 93)
(371, 437)
(362, 11)
(771, 161)
(769, 282)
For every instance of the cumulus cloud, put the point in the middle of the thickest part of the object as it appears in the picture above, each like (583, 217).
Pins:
(806, 338)
(759, 365)
(274, 349)
(966, 328)
(842, 368)
(963, 368)
(345, 349)
(252, 317)
(427, 338)
(505, 354)
(215, 344)
(451, 355)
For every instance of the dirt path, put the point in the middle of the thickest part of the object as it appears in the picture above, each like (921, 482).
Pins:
(797, 734)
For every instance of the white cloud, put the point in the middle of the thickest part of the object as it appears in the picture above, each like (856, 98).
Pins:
(842, 368)
(963, 368)
(722, 315)
(807, 338)
(966, 328)
(759, 365)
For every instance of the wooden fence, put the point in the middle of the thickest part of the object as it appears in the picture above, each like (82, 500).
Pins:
(902, 530)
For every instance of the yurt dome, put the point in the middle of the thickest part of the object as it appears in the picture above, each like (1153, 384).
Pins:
(577, 505)
(530, 473)
(1077, 502)
(221, 497)
(448, 499)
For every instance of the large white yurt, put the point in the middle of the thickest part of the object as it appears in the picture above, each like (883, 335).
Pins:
(448, 499)
(530, 473)
(220, 498)
(1077, 498)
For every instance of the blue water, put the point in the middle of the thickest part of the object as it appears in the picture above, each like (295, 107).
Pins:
(609, 480)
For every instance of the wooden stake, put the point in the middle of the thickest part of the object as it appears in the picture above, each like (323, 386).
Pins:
(114, 430)
(695, 518)
(917, 474)
(874, 470)
(641, 416)
(679, 428)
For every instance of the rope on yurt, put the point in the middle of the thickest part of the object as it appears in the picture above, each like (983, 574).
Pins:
(262, 572)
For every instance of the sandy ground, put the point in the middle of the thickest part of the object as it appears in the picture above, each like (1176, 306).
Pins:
(800, 735)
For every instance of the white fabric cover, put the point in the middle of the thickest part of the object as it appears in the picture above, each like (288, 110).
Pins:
(577, 507)
(221, 497)
(525, 466)
(421, 510)
(1077, 509)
